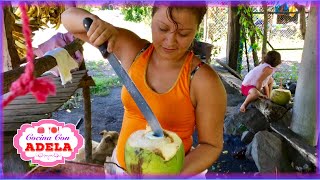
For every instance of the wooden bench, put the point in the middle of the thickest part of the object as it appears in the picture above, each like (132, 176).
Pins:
(273, 114)
(25, 109)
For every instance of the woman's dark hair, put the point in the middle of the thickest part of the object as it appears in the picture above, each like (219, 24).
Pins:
(199, 9)
(273, 58)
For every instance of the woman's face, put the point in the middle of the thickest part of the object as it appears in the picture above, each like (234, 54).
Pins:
(172, 42)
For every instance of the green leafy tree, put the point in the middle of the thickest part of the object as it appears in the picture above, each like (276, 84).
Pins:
(136, 13)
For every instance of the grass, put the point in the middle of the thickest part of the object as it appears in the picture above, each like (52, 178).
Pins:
(73, 102)
(104, 84)
(102, 88)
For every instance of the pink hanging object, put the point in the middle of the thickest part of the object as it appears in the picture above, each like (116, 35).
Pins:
(41, 87)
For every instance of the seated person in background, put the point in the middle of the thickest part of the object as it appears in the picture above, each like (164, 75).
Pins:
(260, 78)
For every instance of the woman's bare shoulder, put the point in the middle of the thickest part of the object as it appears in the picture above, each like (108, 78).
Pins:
(205, 72)
(207, 81)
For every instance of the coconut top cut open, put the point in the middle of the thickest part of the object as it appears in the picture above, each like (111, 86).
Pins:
(166, 146)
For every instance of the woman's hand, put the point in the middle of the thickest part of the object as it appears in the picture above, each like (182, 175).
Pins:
(101, 32)
(122, 42)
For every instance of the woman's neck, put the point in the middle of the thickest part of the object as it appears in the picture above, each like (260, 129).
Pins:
(160, 60)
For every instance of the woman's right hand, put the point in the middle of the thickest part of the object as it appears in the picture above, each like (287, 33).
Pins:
(101, 32)
(123, 43)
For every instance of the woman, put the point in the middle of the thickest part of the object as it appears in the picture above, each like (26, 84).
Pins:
(183, 92)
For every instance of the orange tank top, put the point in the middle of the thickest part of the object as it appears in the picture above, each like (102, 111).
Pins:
(173, 109)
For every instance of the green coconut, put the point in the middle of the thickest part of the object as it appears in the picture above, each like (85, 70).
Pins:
(280, 96)
(146, 154)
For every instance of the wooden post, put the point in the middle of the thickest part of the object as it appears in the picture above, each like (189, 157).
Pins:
(303, 25)
(265, 30)
(233, 41)
(87, 123)
(253, 41)
(304, 110)
(6, 59)
(87, 120)
(205, 27)
(9, 22)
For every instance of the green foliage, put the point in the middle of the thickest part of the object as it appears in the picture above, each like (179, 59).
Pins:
(287, 75)
(31, 166)
(136, 13)
(87, 8)
(95, 65)
(242, 128)
(91, 8)
(294, 73)
(73, 102)
(199, 34)
(104, 84)
(102, 80)
(248, 27)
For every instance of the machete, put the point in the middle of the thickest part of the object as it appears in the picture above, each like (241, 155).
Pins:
(129, 84)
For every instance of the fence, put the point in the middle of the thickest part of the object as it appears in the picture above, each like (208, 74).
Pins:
(284, 35)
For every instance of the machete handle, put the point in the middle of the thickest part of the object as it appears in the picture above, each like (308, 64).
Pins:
(103, 47)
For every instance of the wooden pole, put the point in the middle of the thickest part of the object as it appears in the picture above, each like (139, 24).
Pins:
(253, 41)
(205, 27)
(303, 25)
(304, 121)
(265, 30)
(87, 120)
(6, 59)
(233, 41)
(9, 23)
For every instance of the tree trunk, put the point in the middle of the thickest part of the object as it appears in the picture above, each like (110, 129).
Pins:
(9, 23)
(304, 109)
(253, 41)
(205, 27)
(303, 25)
(265, 30)
(233, 37)
(6, 59)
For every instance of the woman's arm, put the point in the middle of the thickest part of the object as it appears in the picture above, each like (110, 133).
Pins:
(210, 98)
(123, 43)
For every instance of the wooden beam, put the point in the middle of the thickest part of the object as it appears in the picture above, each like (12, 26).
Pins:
(297, 142)
(42, 65)
(233, 72)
